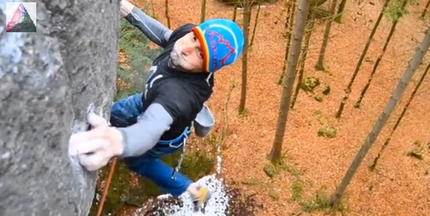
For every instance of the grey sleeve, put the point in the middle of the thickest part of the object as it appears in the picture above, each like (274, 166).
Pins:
(144, 135)
(151, 28)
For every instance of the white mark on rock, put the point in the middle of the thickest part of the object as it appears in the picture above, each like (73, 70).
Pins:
(104, 103)
(5, 155)
(78, 170)
(90, 108)
(10, 52)
(51, 58)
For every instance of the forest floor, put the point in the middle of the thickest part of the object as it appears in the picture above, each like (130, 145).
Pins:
(398, 186)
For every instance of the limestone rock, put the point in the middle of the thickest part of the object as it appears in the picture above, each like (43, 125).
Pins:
(48, 81)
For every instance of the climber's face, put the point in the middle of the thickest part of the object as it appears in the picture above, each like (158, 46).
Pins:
(187, 54)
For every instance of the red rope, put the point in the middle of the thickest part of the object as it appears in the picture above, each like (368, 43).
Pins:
(105, 191)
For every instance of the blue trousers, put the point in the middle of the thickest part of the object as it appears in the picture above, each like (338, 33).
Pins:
(124, 113)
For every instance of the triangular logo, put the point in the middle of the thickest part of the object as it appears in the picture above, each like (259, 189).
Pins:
(21, 21)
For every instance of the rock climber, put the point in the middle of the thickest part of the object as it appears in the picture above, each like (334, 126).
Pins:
(157, 122)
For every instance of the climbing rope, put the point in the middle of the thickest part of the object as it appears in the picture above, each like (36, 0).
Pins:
(105, 191)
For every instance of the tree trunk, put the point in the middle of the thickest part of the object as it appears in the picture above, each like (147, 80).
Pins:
(425, 9)
(360, 61)
(291, 8)
(395, 97)
(224, 124)
(203, 11)
(320, 62)
(387, 141)
(166, 12)
(246, 23)
(304, 54)
(255, 25)
(378, 60)
(48, 82)
(293, 58)
(234, 13)
(340, 11)
(251, 3)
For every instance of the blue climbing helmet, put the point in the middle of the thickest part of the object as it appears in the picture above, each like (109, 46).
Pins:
(222, 42)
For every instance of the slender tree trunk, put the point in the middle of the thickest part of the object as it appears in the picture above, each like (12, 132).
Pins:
(340, 11)
(285, 10)
(395, 97)
(246, 23)
(224, 130)
(360, 61)
(378, 60)
(320, 63)
(234, 13)
(291, 8)
(203, 11)
(296, 43)
(425, 9)
(255, 25)
(387, 141)
(304, 54)
(166, 12)
(251, 3)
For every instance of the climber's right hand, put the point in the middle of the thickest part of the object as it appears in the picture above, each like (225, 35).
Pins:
(94, 148)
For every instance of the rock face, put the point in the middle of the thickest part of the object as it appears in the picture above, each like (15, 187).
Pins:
(48, 81)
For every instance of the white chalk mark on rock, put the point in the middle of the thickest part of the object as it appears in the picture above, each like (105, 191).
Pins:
(5, 155)
(10, 51)
(90, 108)
(78, 170)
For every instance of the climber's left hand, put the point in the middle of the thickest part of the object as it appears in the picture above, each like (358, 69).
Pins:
(97, 146)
